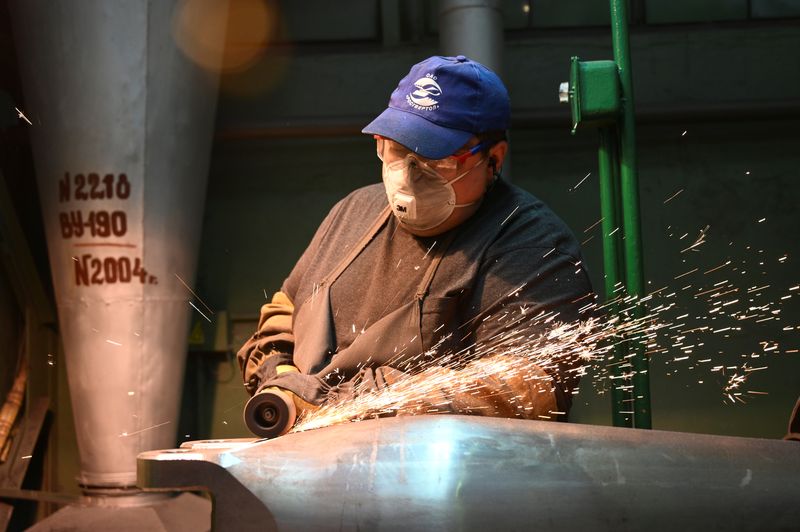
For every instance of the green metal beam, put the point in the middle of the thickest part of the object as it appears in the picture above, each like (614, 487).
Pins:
(612, 266)
(629, 192)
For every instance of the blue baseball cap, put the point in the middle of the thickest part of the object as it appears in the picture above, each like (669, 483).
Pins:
(440, 104)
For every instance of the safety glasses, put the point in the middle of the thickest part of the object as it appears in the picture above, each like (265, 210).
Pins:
(390, 151)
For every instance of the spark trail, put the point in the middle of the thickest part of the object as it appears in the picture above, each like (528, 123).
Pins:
(531, 345)
(704, 329)
(450, 383)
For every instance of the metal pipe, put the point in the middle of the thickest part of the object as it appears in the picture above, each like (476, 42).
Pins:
(629, 192)
(612, 263)
(473, 28)
(475, 473)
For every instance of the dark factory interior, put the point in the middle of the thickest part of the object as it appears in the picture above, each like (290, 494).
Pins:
(167, 170)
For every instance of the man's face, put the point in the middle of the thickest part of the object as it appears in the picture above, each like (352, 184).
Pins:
(475, 166)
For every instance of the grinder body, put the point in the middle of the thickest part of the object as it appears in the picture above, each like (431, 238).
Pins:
(270, 413)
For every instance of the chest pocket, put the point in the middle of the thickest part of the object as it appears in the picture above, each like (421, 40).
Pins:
(440, 325)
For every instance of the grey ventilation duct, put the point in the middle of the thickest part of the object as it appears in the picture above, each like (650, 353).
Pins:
(121, 132)
(473, 28)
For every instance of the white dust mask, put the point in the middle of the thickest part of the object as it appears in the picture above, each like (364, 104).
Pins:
(420, 197)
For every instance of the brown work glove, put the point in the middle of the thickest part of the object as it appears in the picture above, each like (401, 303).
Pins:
(282, 372)
(271, 344)
(497, 386)
(494, 386)
(368, 380)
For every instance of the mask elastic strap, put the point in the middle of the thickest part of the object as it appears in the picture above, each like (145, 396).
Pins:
(465, 173)
(470, 204)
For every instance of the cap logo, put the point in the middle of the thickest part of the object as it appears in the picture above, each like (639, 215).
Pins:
(422, 98)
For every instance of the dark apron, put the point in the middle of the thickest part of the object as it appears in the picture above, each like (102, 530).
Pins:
(395, 340)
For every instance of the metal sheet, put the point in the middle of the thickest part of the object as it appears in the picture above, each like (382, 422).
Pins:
(121, 133)
(458, 472)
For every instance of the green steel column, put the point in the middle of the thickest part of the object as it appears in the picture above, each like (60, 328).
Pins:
(629, 191)
(612, 266)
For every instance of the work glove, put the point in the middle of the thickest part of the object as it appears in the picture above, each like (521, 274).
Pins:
(268, 370)
(275, 382)
(368, 380)
(309, 388)
(498, 386)
(492, 386)
(271, 342)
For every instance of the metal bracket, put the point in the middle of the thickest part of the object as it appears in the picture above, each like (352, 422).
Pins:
(593, 93)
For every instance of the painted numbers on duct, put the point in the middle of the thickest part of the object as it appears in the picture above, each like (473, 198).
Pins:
(93, 187)
(110, 270)
(97, 224)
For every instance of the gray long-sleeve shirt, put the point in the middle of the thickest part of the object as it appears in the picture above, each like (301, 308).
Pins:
(513, 255)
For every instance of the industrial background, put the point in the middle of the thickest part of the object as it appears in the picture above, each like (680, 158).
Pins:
(718, 109)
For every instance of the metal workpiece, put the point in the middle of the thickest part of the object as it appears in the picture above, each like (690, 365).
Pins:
(473, 473)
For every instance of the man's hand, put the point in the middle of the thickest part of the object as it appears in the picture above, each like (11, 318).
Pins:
(496, 386)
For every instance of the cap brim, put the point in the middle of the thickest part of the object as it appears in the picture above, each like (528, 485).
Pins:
(417, 134)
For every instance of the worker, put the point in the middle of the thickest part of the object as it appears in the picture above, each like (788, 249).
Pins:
(442, 258)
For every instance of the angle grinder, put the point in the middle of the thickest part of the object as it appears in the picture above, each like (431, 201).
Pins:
(270, 413)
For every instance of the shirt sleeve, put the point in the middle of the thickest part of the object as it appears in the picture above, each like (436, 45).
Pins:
(271, 344)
